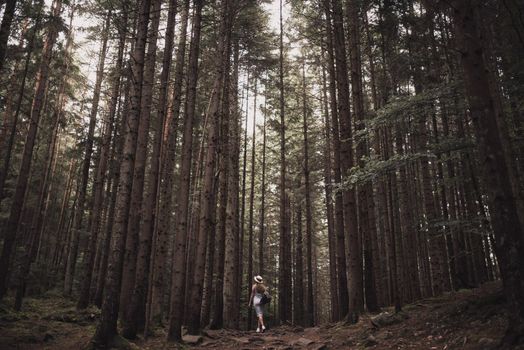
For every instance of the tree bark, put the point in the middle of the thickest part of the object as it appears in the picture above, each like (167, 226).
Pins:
(251, 206)
(207, 203)
(240, 290)
(99, 181)
(224, 149)
(35, 232)
(310, 311)
(298, 287)
(79, 214)
(328, 181)
(5, 29)
(501, 199)
(231, 269)
(285, 302)
(181, 220)
(107, 326)
(262, 227)
(157, 283)
(355, 277)
(136, 312)
(8, 149)
(135, 214)
(12, 224)
(337, 176)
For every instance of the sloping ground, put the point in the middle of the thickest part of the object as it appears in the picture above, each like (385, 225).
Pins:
(468, 319)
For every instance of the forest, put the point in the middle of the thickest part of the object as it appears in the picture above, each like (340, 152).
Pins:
(364, 157)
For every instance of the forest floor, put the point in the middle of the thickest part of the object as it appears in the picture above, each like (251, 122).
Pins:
(468, 319)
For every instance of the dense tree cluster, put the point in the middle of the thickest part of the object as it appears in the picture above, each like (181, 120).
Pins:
(360, 154)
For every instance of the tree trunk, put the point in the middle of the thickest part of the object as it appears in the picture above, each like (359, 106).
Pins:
(285, 302)
(298, 286)
(217, 315)
(5, 29)
(329, 206)
(135, 214)
(337, 176)
(35, 230)
(365, 190)
(181, 220)
(354, 261)
(35, 234)
(240, 290)
(501, 199)
(112, 186)
(310, 311)
(249, 274)
(205, 308)
(63, 212)
(17, 204)
(79, 214)
(15, 118)
(231, 269)
(136, 312)
(207, 203)
(107, 326)
(408, 226)
(99, 181)
(168, 153)
(262, 229)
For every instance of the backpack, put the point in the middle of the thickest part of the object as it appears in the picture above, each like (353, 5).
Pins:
(266, 298)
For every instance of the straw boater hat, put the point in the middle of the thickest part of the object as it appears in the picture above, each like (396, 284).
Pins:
(258, 279)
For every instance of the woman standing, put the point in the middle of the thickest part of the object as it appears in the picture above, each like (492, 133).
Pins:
(257, 292)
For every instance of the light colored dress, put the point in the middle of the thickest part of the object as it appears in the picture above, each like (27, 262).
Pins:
(259, 308)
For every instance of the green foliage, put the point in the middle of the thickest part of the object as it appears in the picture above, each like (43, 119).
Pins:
(411, 108)
(375, 168)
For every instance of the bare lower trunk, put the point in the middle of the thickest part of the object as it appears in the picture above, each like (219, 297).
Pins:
(8, 143)
(107, 326)
(98, 185)
(5, 29)
(207, 200)
(249, 274)
(181, 220)
(217, 314)
(310, 311)
(231, 268)
(298, 290)
(285, 302)
(342, 286)
(501, 199)
(346, 156)
(79, 214)
(17, 204)
(328, 180)
(133, 227)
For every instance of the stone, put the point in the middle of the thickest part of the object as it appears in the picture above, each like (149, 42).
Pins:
(387, 319)
(303, 342)
(255, 340)
(311, 329)
(242, 340)
(192, 339)
(48, 336)
(370, 341)
(486, 343)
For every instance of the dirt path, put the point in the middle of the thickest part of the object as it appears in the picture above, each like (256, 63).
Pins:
(469, 319)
